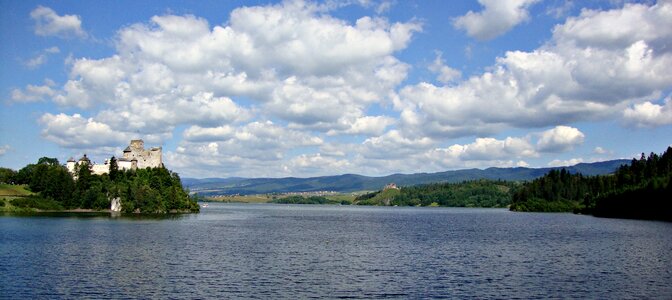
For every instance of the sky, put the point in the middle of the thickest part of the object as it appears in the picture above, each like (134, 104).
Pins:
(313, 88)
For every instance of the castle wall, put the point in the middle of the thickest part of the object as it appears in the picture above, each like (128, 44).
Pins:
(146, 158)
(100, 169)
(151, 158)
(124, 165)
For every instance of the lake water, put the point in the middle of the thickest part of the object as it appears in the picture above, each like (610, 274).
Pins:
(304, 251)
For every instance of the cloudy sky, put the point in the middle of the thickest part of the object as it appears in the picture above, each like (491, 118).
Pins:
(303, 88)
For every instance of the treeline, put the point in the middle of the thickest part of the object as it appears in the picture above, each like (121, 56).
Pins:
(152, 190)
(641, 190)
(308, 200)
(478, 193)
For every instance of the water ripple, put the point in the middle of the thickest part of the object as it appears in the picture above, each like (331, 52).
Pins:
(288, 251)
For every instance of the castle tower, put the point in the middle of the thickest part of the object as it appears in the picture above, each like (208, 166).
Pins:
(71, 165)
(138, 145)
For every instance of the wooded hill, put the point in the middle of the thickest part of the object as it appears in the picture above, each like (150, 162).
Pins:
(352, 183)
(152, 190)
(640, 190)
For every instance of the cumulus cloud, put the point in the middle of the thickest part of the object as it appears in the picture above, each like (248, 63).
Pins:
(49, 23)
(565, 163)
(560, 139)
(292, 61)
(648, 114)
(393, 144)
(289, 90)
(78, 132)
(584, 73)
(260, 148)
(497, 18)
(491, 149)
(34, 93)
(316, 164)
(445, 74)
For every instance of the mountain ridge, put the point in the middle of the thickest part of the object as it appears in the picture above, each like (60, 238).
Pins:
(354, 182)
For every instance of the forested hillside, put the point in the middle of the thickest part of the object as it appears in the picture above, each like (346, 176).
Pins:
(478, 193)
(642, 190)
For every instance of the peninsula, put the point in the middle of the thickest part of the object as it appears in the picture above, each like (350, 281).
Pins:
(138, 182)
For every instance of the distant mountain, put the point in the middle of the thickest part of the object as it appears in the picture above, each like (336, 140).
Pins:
(351, 182)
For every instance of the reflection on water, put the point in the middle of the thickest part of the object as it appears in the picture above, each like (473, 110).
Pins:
(95, 214)
(288, 251)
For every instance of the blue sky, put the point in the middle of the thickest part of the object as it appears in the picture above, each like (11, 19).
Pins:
(304, 88)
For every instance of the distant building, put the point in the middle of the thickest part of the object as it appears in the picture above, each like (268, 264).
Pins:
(135, 157)
(391, 186)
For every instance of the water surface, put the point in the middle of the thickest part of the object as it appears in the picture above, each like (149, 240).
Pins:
(270, 251)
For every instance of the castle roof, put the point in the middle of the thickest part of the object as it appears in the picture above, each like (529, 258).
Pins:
(128, 149)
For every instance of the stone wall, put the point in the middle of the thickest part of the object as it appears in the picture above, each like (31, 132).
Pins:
(135, 156)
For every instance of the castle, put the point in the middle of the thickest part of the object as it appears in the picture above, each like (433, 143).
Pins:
(135, 157)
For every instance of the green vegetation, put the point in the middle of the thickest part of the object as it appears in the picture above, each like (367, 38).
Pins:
(309, 200)
(557, 191)
(641, 190)
(155, 190)
(240, 198)
(382, 198)
(344, 199)
(6, 175)
(13, 190)
(478, 193)
(8, 193)
(36, 202)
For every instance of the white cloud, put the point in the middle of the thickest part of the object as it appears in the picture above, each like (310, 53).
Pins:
(34, 93)
(393, 145)
(199, 134)
(292, 61)
(599, 150)
(78, 132)
(497, 17)
(560, 10)
(565, 163)
(567, 80)
(41, 58)
(48, 23)
(260, 148)
(289, 90)
(648, 114)
(488, 149)
(367, 125)
(4, 149)
(619, 28)
(560, 139)
(36, 61)
(384, 6)
(316, 165)
(445, 73)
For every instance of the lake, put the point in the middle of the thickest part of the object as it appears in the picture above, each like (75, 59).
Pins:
(267, 251)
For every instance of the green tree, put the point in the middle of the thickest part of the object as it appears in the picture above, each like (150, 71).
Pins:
(7, 175)
(114, 169)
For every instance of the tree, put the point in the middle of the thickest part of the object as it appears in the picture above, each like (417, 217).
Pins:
(48, 161)
(7, 175)
(114, 169)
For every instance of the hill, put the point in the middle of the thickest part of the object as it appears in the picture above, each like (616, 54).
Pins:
(352, 182)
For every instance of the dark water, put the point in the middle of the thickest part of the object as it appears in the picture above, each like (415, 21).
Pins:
(284, 251)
